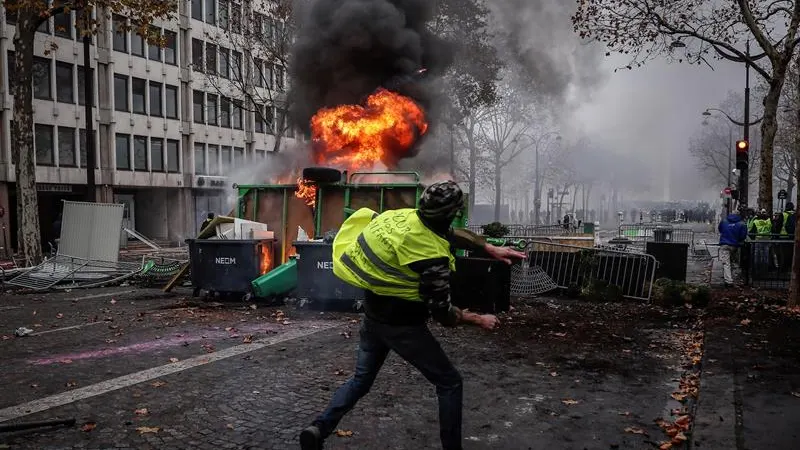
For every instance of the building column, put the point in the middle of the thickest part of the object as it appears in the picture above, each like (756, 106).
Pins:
(6, 247)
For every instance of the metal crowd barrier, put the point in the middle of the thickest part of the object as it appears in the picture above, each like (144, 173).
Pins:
(533, 230)
(641, 234)
(570, 266)
(767, 263)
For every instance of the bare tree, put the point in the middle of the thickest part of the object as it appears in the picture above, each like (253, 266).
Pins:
(505, 128)
(697, 31)
(246, 59)
(29, 15)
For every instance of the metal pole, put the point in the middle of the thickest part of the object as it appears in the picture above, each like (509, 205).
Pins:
(730, 171)
(537, 194)
(744, 174)
(91, 194)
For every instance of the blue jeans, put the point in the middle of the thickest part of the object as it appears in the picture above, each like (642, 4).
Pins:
(416, 345)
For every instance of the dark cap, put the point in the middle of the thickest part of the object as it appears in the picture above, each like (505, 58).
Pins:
(441, 201)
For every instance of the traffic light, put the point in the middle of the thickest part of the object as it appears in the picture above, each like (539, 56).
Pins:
(742, 154)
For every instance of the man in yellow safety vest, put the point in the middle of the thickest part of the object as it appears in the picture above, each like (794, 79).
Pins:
(402, 259)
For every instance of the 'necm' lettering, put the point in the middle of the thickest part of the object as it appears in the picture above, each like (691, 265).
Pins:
(325, 265)
(225, 260)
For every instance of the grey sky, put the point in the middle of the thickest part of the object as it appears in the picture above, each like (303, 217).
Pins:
(652, 111)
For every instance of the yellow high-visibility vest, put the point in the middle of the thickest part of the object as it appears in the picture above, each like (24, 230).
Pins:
(372, 251)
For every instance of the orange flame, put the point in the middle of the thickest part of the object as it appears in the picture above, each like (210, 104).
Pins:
(306, 191)
(266, 259)
(355, 136)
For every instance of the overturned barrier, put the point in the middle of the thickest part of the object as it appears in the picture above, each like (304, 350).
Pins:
(572, 267)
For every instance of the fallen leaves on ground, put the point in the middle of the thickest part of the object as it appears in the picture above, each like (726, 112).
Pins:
(346, 334)
(141, 412)
(145, 430)
(344, 433)
(746, 322)
(634, 430)
(570, 401)
(559, 334)
(665, 446)
(173, 360)
(553, 374)
(88, 426)
(71, 383)
(59, 316)
(113, 301)
(229, 426)
(34, 385)
(209, 348)
(339, 372)
(158, 383)
(796, 394)
(248, 339)
(66, 361)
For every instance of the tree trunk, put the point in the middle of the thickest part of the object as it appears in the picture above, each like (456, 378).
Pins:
(473, 169)
(497, 190)
(22, 150)
(769, 126)
(794, 283)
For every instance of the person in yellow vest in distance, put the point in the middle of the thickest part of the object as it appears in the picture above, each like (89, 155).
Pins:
(761, 229)
(403, 259)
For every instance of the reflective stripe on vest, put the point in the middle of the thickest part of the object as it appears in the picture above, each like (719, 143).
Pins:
(376, 256)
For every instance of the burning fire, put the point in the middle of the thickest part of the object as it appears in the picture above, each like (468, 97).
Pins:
(355, 136)
(306, 191)
(266, 259)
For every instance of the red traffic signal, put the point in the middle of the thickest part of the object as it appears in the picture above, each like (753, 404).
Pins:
(742, 146)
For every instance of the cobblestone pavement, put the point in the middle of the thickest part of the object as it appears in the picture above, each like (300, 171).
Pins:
(558, 374)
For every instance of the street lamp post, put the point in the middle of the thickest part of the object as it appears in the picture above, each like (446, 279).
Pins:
(537, 190)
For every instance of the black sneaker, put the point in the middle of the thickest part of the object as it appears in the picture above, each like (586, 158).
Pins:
(310, 439)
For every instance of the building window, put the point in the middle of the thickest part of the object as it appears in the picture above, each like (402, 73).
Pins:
(171, 47)
(43, 136)
(236, 65)
(123, 151)
(211, 12)
(173, 156)
(197, 9)
(140, 153)
(11, 68)
(153, 50)
(41, 78)
(259, 70)
(223, 14)
(238, 157)
(137, 44)
(197, 101)
(44, 27)
(172, 101)
(213, 160)
(224, 63)
(62, 25)
(66, 147)
(236, 17)
(82, 146)
(155, 99)
(197, 55)
(260, 154)
(200, 159)
(120, 36)
(225, 112)
(269, 119)
(212, 102)
(120, 92)
(236, 115)
(82, 86)
(138, 88)
(157, 154)
(259, 119)
(211, 58)
(279, 77)
(227, 152)
(65, 92)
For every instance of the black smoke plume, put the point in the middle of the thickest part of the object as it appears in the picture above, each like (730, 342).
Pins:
(345, 49)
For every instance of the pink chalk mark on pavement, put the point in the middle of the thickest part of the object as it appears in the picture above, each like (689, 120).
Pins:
(156, 344)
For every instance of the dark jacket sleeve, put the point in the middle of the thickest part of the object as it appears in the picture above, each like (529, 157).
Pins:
(464, 239)
(434, 290)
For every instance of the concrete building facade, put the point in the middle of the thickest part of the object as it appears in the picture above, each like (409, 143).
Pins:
(166, 137)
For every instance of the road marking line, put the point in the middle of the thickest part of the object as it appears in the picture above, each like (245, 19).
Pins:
(65, 398)
(66, 328)
(107, 294)
(3, 308)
